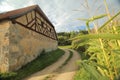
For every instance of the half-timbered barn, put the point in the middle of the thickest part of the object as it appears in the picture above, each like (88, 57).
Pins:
(24, 34)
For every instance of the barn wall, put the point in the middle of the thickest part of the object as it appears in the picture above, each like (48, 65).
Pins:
(26, 45)
(19, 45)
(4, 46)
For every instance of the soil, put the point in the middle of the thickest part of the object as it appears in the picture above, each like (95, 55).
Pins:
(54, 72)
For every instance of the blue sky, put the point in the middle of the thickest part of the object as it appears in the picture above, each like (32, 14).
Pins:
(64, 13)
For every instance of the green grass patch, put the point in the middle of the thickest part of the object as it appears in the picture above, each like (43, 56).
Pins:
(66, 61)
(83, 55)
(7, 76)
(65, 47)
(82, 75)
(49, 77)
(38, 64)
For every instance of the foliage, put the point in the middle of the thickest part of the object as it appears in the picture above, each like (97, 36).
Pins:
(65, 47)
(38, 64)
(64, 37)
(66, 61)
(92, 19)
(103, 49)
(7, 76)
(82, 75)
(63, 40)
(80, 45)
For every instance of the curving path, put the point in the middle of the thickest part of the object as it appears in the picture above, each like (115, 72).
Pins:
(53, 72)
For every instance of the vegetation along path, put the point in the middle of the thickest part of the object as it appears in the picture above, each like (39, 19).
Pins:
(59, 70)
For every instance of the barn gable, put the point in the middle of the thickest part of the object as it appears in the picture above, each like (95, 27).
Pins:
(35, 20)
(24, 34)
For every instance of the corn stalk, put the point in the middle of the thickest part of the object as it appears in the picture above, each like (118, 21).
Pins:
(100, 36)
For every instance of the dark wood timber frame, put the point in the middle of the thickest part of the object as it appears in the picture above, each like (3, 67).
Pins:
(36, 24)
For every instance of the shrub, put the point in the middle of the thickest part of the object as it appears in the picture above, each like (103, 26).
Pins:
(7, 76)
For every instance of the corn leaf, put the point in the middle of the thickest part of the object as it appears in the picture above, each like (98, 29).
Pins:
(97, 36)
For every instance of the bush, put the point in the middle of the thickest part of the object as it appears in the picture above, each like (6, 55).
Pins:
(81, 46)
(7, 76)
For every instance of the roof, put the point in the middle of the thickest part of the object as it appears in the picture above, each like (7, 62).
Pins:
(20, 12)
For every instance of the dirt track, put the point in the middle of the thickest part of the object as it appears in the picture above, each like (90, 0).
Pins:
(53, 72)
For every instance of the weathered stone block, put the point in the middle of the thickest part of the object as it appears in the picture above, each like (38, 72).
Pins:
(18, 46)
(23, 38)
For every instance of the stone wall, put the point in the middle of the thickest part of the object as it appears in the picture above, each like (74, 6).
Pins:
(4, 46)
(19, 45)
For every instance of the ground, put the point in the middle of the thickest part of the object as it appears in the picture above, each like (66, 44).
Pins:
(54, 72)
(65, 47)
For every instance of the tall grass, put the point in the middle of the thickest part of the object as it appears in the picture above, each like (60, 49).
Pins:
(104, 48)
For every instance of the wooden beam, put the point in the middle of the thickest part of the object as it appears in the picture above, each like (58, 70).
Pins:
(14, 21)
(30, 22)
(40, 27)
(26, 18)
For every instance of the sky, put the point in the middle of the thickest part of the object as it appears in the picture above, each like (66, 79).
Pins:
(64, 13)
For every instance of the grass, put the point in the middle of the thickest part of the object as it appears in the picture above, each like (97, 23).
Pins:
(65, 47)
(38, 64)
(83, 55)
(82, 75)
(49, 77)
(66, 61)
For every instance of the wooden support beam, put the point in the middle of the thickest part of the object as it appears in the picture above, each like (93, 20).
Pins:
(30, 22)
(39, 26)
(26, 18)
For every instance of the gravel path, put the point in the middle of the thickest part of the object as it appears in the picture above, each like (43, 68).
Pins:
(53, 72)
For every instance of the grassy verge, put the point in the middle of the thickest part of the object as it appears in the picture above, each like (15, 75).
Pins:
(66, 61)
(65, 47)
(82, 75)
(83, 55)
(38, 64)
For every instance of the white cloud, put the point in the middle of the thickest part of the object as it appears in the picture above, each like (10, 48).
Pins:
(30, 2)
(5, 7)
(61, 12)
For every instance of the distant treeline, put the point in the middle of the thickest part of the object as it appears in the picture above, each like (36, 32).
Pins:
(63, 37)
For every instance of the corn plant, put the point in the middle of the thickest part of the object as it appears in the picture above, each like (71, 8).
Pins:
(104, 49)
